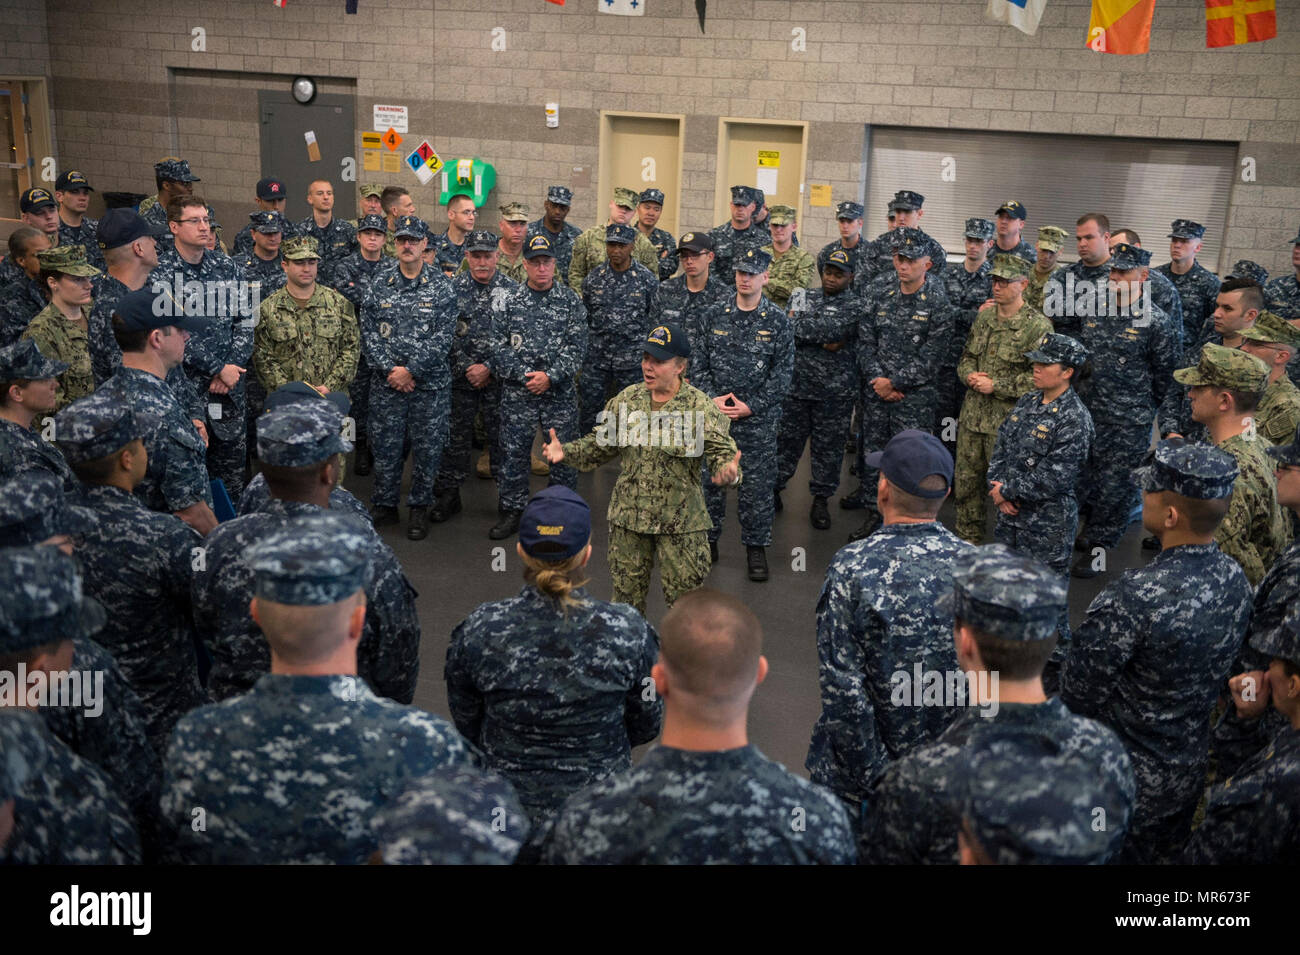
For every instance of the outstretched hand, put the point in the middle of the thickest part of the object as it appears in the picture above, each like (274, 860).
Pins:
(553, 450)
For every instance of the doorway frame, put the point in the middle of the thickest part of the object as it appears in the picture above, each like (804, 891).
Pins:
(722, 188)
(604, 179)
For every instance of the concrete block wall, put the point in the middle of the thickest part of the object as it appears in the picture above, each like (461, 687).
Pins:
(866, 62)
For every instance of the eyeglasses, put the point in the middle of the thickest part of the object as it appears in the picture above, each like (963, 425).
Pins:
(203, 221)
(1286, 467)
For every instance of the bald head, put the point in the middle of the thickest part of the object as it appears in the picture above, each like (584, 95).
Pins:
(302, 635)
(710, 644)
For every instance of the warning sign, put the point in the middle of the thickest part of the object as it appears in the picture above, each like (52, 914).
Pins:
(391, 117)
(392, 140)
(770, 158)
(371, 140)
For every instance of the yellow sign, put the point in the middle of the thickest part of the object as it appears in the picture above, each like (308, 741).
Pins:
(770, 158)
(371, 140)
(370, 160)
(392, 162)
(819, 195)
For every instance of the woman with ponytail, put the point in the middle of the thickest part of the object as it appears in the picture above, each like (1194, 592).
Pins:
(553, 685)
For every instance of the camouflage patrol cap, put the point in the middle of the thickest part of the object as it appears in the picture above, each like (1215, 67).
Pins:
(462, 816)
(312, 560)
(23, 361)
(559, 195)
(555, 525)
(33, 509)
(1027, 802)
(371, 190)
(1282, 641)
(1186, 229)
(44, 602)
(627, 198)
(695, 242)
(268, 223)
(1125, 257)
(1286, 453)
(22, 757)
(977, 228)
(514, 212)
(1226, 368)
(743, 195)
(1246, 269)
(839, 259)
(620, 234)
(754, 262)
(298, 391)
(653, 195)
(1052, 238)
(1059, 349)
(781, 215)
(906, 201)
(849, 210)
(1014, 209)
(1005, 595)
(1010, 267)
(72, 179)
(412, 227)
(68, 260)
(481, 240)
(1271, 328)
(301, 434)
(33, 200)
(300, 247)
(174, 169)
(1187, 468)
(98, 425)
(373, 222)
(537, 246)
(911, 243)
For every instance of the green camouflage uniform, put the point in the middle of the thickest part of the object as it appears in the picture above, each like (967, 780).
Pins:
(1254, 533)
(511, 270)
(1037, 287)
(794, 268)
(65, 341)
(589, 252)
(318, 343)
(657, 505)
(1278, 413)
(996, 346)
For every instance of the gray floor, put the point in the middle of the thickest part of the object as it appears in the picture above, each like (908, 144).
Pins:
(452, 570)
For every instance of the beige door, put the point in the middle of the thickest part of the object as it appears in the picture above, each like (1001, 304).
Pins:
(769, 156)
(640, 151)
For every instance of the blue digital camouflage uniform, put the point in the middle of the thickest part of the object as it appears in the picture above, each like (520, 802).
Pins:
(476, 303)
(856, 256)
(1067, 299)
(749, 354)
(227, 340)
(336, 242)
(677, 304)
(554, 700)
(1164, 294)
(460, 816)
(243, 244)
(689, 807)
(904, 338)
(561, 242)
(258, 495)
(177, 474)
(620, 313)
(664, 242)
(823, 387)
(876, 619)
(967, 292)
(267, 273)
(388, 656)
(1282, 298)
(730, 245)
(20, 301)
(24, 449)
(536, 331)
(1023, 249)
(1149, 662)
(65, 811)
(408, 323)
(1198, 292)
(878, 259)
(294, 770)
(353, 277)
(446, 254)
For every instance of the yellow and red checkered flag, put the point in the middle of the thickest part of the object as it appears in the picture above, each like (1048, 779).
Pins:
(1121, 26)
(1231, 22)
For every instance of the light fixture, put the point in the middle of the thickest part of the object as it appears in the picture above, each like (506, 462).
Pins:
(303, 89)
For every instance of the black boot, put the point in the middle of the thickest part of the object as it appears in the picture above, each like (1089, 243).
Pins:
(854, 501)
(756, 557)
(1083, 568)
(382, 514)
(713, 552)
(776, 502)
(418, 529)
(447, 504)
(819, 515)
(868, 527)
(1151, 543)
(508, 526)
(363, 462)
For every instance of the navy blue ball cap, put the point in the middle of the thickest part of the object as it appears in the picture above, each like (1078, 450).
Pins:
(152, 307)
(555, 525)
(121, 227)
(537, 246)
(620, 234)
(909, 458)
(668, 341)
(296, 391)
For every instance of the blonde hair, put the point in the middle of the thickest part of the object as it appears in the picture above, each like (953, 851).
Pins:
(557, 579)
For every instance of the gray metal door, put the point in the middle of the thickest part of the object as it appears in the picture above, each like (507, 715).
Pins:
(285, 153)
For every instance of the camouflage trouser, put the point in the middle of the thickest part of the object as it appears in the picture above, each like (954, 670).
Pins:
(465, 404)
(753, 436)
(683, 563)
(521, 414)
(825, 423)
(881, 420)
(951, 395)
(396, 418)
(594, 390)
(228, 447)
(1107, 494)
(1167, 797)
(970, 482)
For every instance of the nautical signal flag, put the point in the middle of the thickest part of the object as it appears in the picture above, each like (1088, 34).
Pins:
(1121, 26)
(1021, 14)
(1231, 22)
